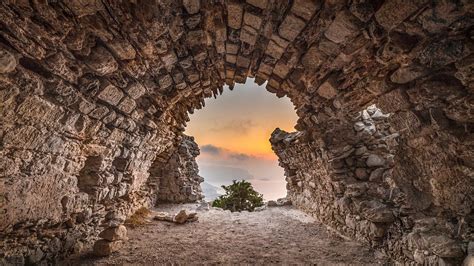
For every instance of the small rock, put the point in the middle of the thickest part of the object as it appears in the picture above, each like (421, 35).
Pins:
(378, 115)
(366, 116)
(104, 248)
(114, 233)
(180, 217)
(371, 109)
(359, 126)
(375, 160)
(163, 216)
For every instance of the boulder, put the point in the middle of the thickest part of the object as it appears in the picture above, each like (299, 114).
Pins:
(180, 217)
(114, 233)
(104, 247)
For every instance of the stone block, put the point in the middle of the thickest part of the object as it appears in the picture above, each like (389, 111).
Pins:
(407, 74)
(135, 90)
(122, 49)
(111, 94)
(169, 59)
(291, 27)
(327, 90)
(221, 32)
(304, 8)
(363, 10)
(312, 59)
(195, 38)
(243, 62)
(262, 4)
(252, 20)
(7, 61)
(394, 12)
(85, 7)
(192, 6)
(229, 73)
(165, 81)
(234, 15)
(248, 35)
(101, 61)
(231, 58)
(281, 69)
(265, 69)
(231, 48)
(343, 28)
(127, 105)
(274, 50)
(279, 41)
(193, 21)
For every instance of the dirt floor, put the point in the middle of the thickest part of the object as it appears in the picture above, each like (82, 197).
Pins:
(278, 235)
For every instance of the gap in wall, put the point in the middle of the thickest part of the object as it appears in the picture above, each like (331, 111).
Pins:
(233, 134)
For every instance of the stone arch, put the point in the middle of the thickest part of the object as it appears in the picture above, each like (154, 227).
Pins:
(121, 77)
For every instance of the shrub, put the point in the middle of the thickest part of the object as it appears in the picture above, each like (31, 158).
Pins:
(239, 196)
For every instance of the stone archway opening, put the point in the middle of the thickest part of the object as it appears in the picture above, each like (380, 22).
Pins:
(233, 133)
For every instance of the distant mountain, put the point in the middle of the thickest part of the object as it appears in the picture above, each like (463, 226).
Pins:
(210, 192)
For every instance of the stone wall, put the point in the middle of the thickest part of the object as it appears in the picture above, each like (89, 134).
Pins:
(352, 176)
(95, 94)
(177, 175)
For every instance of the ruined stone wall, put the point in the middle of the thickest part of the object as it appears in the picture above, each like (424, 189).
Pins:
(94, 94)
(352, 176)
(177, 175)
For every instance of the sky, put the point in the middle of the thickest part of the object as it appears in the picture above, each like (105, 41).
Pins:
(233, 134)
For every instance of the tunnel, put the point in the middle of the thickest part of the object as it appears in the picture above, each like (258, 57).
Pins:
(95, 96)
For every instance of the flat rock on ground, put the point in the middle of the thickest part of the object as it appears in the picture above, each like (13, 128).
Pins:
(281, 235)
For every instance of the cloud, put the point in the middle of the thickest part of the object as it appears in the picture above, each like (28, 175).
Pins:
(211, 149)
(238, 126)
(225, 154)
(240, 156)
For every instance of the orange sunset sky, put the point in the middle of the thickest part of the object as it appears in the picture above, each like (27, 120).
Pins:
(233, 134)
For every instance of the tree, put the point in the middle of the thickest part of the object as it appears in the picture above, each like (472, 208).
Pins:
(238, 197)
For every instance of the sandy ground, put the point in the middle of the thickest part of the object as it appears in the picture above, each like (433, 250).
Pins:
(278, 235)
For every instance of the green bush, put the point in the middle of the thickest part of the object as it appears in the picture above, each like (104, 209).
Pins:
(239, 196)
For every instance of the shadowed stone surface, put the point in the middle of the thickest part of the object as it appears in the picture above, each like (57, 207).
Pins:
(95, 95)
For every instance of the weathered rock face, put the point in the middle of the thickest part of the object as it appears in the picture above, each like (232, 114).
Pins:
(352, 176)
(177, 176)
(94, 96)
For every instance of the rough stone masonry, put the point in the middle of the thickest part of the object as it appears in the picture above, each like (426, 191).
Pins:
(95, 95)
